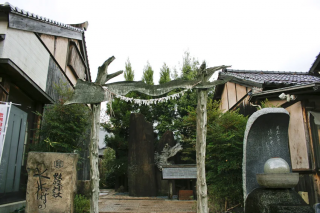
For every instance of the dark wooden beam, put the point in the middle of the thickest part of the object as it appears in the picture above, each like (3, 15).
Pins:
(24, 23)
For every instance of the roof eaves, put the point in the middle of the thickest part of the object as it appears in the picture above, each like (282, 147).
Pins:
(10, 8)
(243, 80)
(313, 86)
(265, 72)
(86, 55)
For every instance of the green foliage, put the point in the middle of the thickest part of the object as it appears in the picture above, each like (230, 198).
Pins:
(107, 177)
(81, 204)
(20, 210)
(148, 74)
(63, 127)
(224, 156)
(189, 67)
(118, 125)
(224, 151)
(128, 72)
(267, 104)
(174, 74)
(164, 74)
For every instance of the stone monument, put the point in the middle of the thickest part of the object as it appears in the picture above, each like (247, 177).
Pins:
(266, 136)
(51, 182)
(141, 167)
(267, 177)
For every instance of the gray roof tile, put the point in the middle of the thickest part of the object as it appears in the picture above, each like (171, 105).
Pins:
(34, 16)
(273, 77)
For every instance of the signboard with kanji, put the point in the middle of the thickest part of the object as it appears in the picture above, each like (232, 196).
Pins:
(51, 182)
(179, 173)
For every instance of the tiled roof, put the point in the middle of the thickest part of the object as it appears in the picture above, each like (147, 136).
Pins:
(273, 77)
(19, 11)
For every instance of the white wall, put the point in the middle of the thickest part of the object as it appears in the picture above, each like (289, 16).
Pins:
(3, 30)
(28, 53)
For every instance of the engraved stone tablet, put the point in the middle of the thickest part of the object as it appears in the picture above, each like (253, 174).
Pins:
(179, 173)
(266, 137)
(51, 182)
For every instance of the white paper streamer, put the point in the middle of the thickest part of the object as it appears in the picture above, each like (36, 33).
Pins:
(110, 95)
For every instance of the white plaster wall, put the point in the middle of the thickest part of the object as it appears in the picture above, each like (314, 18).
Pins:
(28, 53)
(3, 30)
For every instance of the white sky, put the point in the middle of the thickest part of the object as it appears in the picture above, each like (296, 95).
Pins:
(279, 35)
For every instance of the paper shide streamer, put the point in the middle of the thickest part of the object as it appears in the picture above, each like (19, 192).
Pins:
(110, 95)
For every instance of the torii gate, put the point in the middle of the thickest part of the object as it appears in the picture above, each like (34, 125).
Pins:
(94, 94)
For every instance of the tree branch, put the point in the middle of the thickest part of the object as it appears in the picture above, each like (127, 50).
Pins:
(103, 71)
(113, 75)
(208, 85)
(212, 70)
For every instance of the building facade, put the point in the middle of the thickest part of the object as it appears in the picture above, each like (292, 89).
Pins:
(249, 90)
(36, 54)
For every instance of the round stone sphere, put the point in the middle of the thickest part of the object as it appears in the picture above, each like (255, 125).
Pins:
(276, 165)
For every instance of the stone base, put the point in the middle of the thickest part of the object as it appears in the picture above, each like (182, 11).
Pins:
(290, 209)
(11, 207)
(276, 201)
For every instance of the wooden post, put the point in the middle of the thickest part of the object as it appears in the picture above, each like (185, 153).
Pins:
(94, 142)
(202, 198)
(170, 190)
(202, 95)
(94, 157)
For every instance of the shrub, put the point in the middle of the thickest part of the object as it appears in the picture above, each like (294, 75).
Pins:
(107, 169)
(224, 158)
(224, 151)
(63, 126)
(81, 204)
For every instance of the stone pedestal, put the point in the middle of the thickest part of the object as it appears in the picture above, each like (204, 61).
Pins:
(276, 201)
(51, 182)
(141, 167)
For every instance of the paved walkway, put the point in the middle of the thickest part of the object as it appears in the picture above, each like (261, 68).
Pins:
(109, 202)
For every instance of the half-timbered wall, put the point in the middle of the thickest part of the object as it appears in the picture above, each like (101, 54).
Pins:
(61, 50)
(48, 40)
(58, 47)
(232, 93)
(75, 61)
(55, 77)
(33, 56)
(72, 77)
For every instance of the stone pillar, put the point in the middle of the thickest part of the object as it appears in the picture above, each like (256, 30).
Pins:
(141, 167)
(51, 182)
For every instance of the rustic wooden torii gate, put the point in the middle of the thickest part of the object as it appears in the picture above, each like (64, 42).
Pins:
(94, 94)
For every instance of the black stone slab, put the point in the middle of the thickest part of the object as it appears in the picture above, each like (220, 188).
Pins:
(141, 167)
(266, 136)
(276, 201)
